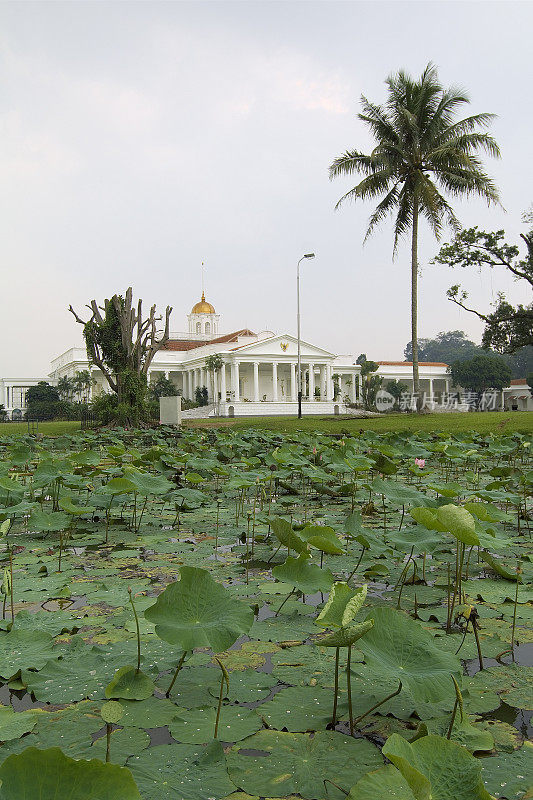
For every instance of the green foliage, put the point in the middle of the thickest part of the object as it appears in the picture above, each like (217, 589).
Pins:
(49, 774)
(43, 401)
(447, 347)
(201, 395)
(370, 382)
(507, 328)
(481, 373)
(162, 387)
(198, 612)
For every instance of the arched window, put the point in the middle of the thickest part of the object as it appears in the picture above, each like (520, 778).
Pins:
(198, 327)
(208, 327)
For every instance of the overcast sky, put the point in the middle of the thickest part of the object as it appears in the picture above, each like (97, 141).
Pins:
(139, 139)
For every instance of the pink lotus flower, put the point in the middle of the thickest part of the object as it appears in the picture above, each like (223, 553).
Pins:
(420, 462)
(314, 451)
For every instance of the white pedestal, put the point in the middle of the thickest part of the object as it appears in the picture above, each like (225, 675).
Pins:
(170, 410)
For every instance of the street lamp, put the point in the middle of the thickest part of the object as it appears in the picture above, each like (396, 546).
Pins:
(307, 255)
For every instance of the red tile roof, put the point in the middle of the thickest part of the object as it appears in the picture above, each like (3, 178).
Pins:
(410, 364)
(518, 382)
(188, 344)
(181, 344)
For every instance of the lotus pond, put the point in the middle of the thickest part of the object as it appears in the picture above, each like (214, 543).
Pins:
(249, 614)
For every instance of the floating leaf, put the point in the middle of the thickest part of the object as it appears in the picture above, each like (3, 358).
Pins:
(49, 774)
(198, 612)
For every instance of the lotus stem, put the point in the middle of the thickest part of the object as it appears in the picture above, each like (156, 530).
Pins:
(142, 512)
(336, 689)
(454, 712)
(138, 631)
(108, 742)
(336, 785)
(377, 705)
(448, 618)
(350, 576)
(463, 639)
(476, 634)
(224, 678)
(406, 567)
(518, 571)
(11, 583)
(180, 664)
(281, 606)
(349, 685)
(458, 704)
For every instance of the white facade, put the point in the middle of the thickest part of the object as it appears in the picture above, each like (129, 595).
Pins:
(259, 376)
(517, 397)
(260, 372)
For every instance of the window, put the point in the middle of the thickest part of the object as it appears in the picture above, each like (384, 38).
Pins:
(198, 327)
(208, 327)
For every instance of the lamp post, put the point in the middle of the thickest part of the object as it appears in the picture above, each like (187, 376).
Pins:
(307, 255)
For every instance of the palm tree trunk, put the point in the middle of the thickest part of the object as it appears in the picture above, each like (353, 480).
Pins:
(414, 303)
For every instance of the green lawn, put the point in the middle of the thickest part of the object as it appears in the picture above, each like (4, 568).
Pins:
(45, 428)
(483, 422)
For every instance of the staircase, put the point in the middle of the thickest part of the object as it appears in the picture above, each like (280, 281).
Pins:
(199, 413)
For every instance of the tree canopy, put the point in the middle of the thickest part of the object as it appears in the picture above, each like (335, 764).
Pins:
(507, 327)
(481, 373)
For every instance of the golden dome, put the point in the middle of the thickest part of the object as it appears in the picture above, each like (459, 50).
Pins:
(203, 307)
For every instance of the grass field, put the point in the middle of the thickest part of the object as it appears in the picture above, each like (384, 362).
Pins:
(483, 422)
(46, 428)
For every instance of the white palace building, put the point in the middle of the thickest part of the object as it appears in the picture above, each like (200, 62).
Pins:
(259, 376)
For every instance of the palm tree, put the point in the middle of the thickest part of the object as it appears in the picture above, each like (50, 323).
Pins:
(422, 151)
(65, 387)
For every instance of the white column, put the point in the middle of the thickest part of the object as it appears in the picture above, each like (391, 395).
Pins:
(294, 388)
(311, 381)
(256, 381)
(223, 383)
(275, 381)
(322, 382)
(354, 388)
(235, 382)
(328, 382)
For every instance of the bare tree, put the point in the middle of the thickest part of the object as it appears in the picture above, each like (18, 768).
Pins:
(123, 344)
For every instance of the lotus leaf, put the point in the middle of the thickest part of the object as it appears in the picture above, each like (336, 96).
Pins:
(399, 649)
(282, 530)
(304, 575)
(130, 684)
(323, 538)
(24, 649)
(48, 521)
(49, 774)
(197, 727)
(198, 612)
(184, 771)
(459, 522)
(386, 783)
(345, 637)
(13, 725)
(436, 768)
(299, 709)
(510, 775)
(342, 605)
(298, 763)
